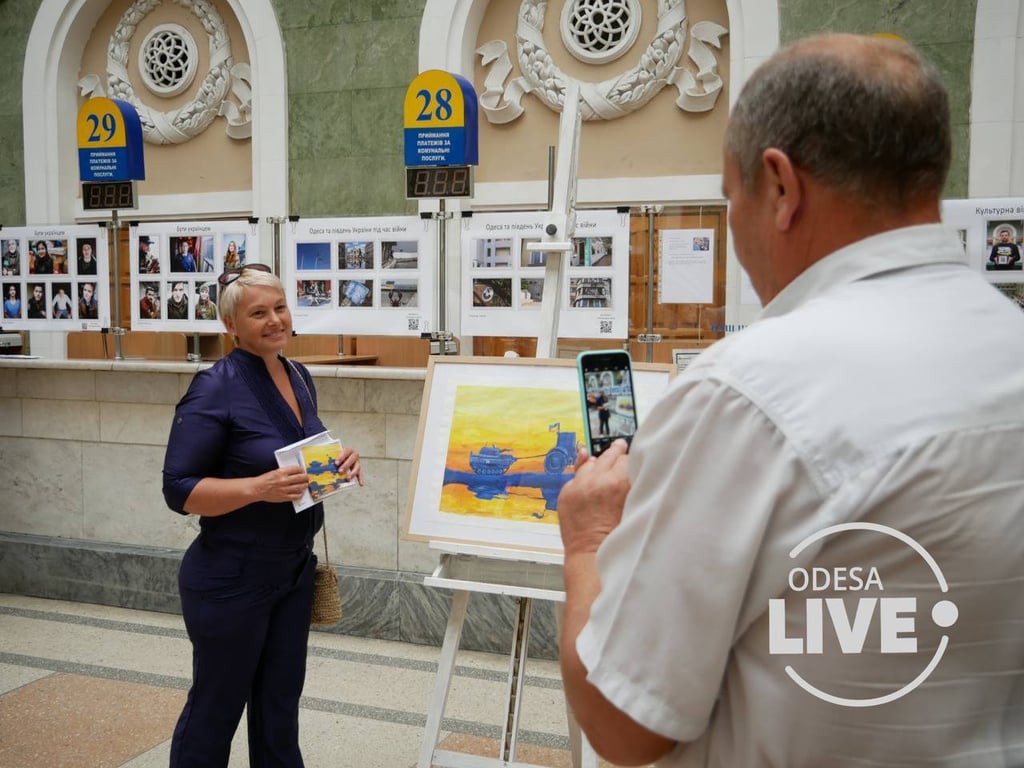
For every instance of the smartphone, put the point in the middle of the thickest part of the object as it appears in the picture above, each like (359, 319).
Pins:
(606, 389)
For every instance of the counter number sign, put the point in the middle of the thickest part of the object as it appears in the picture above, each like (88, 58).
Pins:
(440, 123)
(109, 141)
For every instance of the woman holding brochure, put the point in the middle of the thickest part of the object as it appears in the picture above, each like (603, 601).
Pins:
(246, 582)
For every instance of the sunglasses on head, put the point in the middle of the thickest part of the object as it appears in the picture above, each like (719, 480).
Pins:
(230, 275)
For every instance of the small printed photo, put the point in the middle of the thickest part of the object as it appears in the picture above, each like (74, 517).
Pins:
(591, 252)
(10, 263)
(36, 304)
(192, 253)
(400, 254)
(86, 250)
(206, 300)
(234, 251)
(355, 254)
(702, 243)
(590, 292)
(1003, 243)
(399, 293)
(47, 257)
(355, 293)
(61, 306)
(493, 252)
(529, 258)
(177, 300)
(149, 260)
(12, 300)
(496, 292)
(311, 256)
(88, 301)
(149, 301)
(531, 291)
(313, 293)
(1013, 291)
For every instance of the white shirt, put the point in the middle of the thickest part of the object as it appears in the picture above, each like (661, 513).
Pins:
(884, 385)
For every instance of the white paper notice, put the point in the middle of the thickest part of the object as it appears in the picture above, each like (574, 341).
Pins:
(687, 266)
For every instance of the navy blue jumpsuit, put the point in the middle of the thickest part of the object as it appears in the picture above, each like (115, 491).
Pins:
(246, 582)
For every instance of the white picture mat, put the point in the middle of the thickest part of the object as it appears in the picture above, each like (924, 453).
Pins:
(425, 520)
(378, 318)
(521, 320)
(220, 234)
(70, 235)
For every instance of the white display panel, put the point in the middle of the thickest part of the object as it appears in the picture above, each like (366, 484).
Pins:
(361, 275)
(981, 223)
(174, 268)
(503, 281)
(55, 278)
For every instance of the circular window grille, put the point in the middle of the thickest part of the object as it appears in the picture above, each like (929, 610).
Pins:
(168, 59)
(599, 31)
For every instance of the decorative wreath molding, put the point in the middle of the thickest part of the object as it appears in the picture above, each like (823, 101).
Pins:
(179, 125)
(612, 98)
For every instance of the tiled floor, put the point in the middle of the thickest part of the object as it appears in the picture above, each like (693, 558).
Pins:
(87, 686)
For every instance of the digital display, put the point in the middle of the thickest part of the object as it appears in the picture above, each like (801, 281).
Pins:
(438, 181)
(108, 195)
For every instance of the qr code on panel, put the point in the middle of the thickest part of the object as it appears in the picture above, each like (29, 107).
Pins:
(606, 326)
(414, 323)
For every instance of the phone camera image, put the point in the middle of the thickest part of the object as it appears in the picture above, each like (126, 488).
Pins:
(609, 411)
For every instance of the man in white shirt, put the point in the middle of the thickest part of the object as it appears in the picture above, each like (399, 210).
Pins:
(813, 553)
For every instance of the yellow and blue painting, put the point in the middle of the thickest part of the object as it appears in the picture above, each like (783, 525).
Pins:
(321, 465)
(510, 451)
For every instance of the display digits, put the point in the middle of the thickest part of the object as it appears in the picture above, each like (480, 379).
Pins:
(108, 195)
(439, 181)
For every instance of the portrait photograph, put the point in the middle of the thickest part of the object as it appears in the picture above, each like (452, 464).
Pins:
(205, 299)
(35, 306)
(492, 292)
(1003, 244)
(88, 301)
(313, 293)
(177, 304)
(399, 254)
(149, 259)
(399, 293)
(355, 293)
(491, 253)
(13, 305)
(150, 305)
(62, 307)
(192, 253)
(47, 257)
(591, 252)
(85, 262)
(355, 254)
(312, 256)
(234, 251)
(10, 261)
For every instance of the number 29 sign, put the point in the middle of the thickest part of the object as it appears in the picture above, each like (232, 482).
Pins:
(440, 120)
(109, 141)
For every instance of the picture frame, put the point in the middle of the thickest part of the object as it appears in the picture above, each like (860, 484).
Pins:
(496, 442)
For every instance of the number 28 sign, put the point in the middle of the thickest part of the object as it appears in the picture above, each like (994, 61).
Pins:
(109, 141)
(440, 120)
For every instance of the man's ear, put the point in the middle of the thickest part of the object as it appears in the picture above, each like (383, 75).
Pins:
(783, 187)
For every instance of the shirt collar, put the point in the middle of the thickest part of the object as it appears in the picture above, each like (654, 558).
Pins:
(916, 246)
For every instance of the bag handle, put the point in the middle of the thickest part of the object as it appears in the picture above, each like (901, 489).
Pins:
(323, 526)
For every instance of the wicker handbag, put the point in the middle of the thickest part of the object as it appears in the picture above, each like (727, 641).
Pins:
(326, 595)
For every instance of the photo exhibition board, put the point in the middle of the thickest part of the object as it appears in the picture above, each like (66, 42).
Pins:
(503, 281)
(497, 441)
(361, 275)
(55, 278)
(174, 268)
(992, 232)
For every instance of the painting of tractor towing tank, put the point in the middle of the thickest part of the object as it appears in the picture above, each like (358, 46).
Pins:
(497, 442)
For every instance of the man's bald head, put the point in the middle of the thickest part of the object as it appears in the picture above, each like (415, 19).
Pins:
(866, 116)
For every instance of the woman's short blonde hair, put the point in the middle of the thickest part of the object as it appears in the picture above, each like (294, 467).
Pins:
(230, 295)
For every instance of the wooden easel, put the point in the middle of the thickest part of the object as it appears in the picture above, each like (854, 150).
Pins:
(525, 575)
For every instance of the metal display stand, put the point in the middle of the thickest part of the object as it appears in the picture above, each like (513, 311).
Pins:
(525, 575)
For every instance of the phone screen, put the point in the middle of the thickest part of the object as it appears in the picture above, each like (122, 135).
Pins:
(607, 384)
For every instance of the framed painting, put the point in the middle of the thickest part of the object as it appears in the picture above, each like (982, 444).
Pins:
(497, 441)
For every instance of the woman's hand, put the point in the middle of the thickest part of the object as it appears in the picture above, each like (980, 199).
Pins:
(348, 461)
(284, 484)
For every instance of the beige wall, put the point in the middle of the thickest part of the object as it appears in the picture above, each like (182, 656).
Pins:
(657, 140)
(210, 162)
